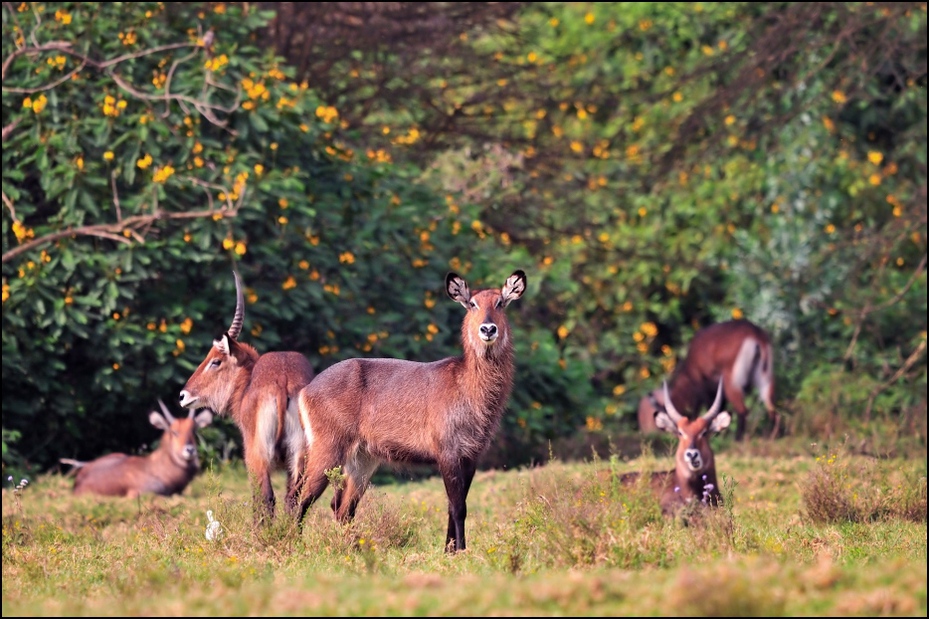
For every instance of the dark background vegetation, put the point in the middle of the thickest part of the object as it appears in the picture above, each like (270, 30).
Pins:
(653, 168)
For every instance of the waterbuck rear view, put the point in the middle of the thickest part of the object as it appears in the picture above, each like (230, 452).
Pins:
(738, 352)
(694, 475)
(165, 471)
(259, 393)
(360, 413)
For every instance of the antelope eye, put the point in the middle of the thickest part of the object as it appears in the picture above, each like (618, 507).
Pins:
(473, 304)
(215, 363)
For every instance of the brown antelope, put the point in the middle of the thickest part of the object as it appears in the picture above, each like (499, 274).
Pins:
(360, 413)
(694, 475)
(738, 352)
(165, 471)
(259, 392)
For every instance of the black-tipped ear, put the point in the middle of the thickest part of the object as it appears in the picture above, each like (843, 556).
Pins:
(457, 288)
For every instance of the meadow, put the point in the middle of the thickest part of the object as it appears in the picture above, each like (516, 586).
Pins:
(806, 529)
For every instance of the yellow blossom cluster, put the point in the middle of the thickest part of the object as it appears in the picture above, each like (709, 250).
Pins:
(22, 232)
(6, 292)
(144, 162)
(57, 62)
(411, 137)
(217, 63)
(38, 104)
(112, 107)
(128, 38)
(62, 17)
(163, 173)
(327, 113)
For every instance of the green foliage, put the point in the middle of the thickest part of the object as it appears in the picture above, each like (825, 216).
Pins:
(141, 169)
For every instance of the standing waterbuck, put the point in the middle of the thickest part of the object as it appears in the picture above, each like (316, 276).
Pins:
(165, 471)
(360, 413)
(738, 352)
(259, 393)
(694, 475)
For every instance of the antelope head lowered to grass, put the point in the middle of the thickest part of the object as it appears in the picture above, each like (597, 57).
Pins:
(737, 352)
(694, 475)
(167, 470)
(360, 413)
(259, 392)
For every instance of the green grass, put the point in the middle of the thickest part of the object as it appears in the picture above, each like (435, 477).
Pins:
(804, 531)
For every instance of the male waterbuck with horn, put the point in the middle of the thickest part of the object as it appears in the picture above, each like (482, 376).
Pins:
(166, 471)
(694, 475)
(738, 352)
(259, 392)
(360, 413)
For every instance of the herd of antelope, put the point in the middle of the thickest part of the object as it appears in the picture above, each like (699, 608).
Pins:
(338, 426)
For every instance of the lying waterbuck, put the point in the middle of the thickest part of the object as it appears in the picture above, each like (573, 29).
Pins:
(738, 352)
(165, 471)
(259, 393)
(694, 475)
(360, 413)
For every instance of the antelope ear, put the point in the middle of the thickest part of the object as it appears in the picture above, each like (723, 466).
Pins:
(720, 422)
(223, 344)
(457, 289)
(158, 421)
(514, 287)
(664, 422)
(204, 418)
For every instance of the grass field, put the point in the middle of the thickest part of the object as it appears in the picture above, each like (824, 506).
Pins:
(805, 530)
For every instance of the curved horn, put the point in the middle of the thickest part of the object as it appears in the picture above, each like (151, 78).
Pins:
(236, 327)
(669, 407)
(166, 412)
(717, 403)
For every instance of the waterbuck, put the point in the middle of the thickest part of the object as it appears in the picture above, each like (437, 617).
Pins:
(694, 475)
(360, 413)
(165, 471)
(259, 392)
(738, 352)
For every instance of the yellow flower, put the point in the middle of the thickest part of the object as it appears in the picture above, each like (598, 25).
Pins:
(562, 332)
(875, 157)
(589, 18)
(228, 243)
(347, 257)
(39, 104)
(144, 162)
(618, 390)
(108, 155)
(875, 179)
(737, 313)
(63, 16)
(678, 97)
(163, 174)
(240, 248)
(186, 326)
(289, 283)
(729, 119)
(838, 96)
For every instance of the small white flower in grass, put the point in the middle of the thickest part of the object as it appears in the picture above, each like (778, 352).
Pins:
(213, 529)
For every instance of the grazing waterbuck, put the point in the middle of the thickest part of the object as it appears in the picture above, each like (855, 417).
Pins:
(360, 413)
(738, 352)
